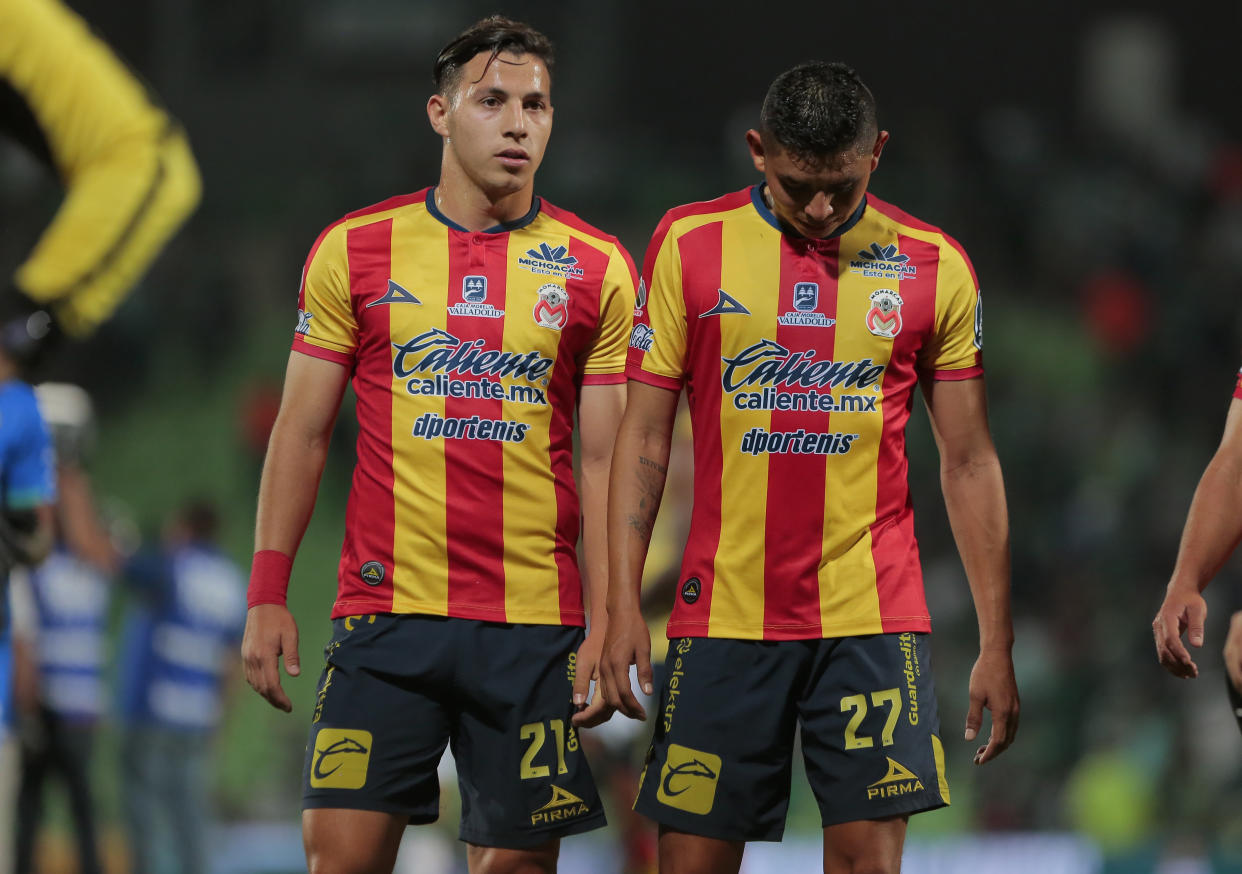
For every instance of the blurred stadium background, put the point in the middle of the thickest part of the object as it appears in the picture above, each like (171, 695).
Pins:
(1089, 157)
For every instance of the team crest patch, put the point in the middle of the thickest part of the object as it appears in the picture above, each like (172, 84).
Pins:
(372, 573)
(552, 308)
(884, 317)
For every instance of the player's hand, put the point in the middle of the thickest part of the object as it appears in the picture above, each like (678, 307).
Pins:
(628, 642)
(1183, 610)
(596, 711)
(270, 633)
(28, 330)
(992, 685)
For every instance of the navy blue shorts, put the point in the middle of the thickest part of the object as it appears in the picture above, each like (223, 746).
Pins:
(720, 761)
(398, 688)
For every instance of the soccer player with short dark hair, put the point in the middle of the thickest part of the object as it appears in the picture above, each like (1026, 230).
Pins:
(475, 320)
(799, 314)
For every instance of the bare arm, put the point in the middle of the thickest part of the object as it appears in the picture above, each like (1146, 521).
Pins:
(599, 415)
(639, 468)
(295, 459)
(974, 496)
(82, 529)
(1213, 530)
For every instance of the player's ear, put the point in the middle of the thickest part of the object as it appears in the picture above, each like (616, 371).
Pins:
(880, 139)
(754, 141)
(437, 113)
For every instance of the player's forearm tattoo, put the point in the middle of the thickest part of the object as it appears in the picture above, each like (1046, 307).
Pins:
(651, 481)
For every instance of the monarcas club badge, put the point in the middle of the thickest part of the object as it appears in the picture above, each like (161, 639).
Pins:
(552, 308)
(884, 317)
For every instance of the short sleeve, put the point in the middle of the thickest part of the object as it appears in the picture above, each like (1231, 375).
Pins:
(955, 348)
(658, 337)
(30, 479)
(327, 327)
(604, 360)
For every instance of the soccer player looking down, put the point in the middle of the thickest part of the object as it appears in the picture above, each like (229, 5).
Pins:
(474, 319)
(799, 313)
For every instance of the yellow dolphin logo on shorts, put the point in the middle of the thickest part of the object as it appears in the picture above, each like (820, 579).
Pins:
(340, 759)
(688, 779)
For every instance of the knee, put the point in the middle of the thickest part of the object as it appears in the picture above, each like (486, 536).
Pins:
(865, 860)
(497, 860)
(326, 857)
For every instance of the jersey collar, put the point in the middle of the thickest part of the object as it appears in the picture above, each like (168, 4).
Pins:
(761, 206)
(502, 228)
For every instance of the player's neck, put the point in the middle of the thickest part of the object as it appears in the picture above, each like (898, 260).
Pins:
(463, 202)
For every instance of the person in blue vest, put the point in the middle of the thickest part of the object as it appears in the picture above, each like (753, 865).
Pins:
(179, 643)
(70, 593)
(27, 490)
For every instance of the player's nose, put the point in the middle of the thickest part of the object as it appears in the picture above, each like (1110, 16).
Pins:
(516, 119)
(820, 207)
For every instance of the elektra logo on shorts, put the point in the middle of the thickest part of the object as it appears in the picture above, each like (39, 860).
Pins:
(340, 758)
(688, 779)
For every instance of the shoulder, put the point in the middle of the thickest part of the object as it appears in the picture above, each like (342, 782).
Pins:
(384, 210)
(579, 228)
(687, 217)
(904, 222)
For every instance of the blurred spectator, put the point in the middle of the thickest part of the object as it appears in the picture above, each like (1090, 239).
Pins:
(179, 646)
(26, 493)
(61, 704)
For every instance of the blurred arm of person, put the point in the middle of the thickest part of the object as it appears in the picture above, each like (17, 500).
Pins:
(639, 470)
(599, 415)
(1212, 532)
(295, 460)
(81, 527)
(129, 176)
(25, 631)
(974, 498)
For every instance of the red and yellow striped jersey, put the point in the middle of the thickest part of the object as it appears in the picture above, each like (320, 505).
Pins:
(467, 353)
(799, 358)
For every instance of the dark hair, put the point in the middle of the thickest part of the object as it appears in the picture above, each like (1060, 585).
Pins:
(495, 34)
(817, 110)
(200, 518)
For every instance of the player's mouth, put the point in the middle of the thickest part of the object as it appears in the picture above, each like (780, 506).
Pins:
(514, 158)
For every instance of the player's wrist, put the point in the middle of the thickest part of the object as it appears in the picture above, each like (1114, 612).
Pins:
(269, 578)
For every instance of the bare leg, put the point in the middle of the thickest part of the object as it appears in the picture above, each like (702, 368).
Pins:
(682, 853)
(498, 860)
(869, 846)
(341, 841)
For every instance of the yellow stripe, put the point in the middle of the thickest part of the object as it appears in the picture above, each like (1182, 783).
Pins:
(420, 579)
(750, 272)
(942, 776)
(532, 583)
(849, 603)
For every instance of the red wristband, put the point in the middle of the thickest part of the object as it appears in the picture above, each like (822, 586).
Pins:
(269, 578)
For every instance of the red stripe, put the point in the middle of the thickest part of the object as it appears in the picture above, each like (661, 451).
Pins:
(700, 251)
(474, 469)
(370, 524)
(299, 342)
(899, 580)
(794, 531)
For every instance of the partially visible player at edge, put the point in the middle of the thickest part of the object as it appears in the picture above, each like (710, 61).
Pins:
(1212, 532)
(799, 313)
(475, 320)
